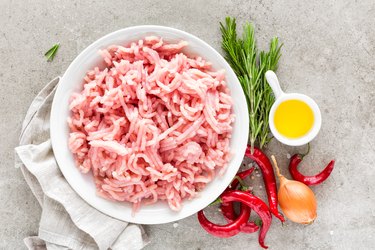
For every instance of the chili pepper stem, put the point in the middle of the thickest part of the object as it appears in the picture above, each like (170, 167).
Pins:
(308, 151)
(217, 201)
(258, 222)
(242, 183)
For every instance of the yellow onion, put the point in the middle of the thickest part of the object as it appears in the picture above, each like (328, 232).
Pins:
(296, 199)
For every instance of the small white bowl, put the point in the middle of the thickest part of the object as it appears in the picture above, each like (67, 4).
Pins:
(280, 97)
(83, 184)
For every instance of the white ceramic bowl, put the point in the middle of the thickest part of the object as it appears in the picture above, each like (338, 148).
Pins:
(83, 184)
(280, 97)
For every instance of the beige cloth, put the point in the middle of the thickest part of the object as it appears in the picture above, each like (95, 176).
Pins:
(67, 222)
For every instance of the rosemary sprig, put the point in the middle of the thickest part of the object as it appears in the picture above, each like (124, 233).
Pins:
(250, 67)
(50, 54)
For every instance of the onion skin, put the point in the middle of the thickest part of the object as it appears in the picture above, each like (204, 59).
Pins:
(297, 201)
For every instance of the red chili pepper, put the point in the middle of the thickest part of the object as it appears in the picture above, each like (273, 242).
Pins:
(265, 166)
(242, 175)
(227, 209)
(228, 230)
(255, 204)
(308, 180)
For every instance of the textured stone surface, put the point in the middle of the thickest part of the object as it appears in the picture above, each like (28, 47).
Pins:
(328, 53)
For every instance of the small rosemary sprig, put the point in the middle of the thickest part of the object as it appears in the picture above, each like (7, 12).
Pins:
(250, 67)
(50, 54)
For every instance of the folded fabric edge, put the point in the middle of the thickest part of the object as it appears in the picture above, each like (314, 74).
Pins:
(34, 243)
(30, 179)
(38, 102)
(62, 239)
(129, 236)
(24, 154)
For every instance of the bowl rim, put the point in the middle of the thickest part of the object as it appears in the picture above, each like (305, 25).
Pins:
(240, 149)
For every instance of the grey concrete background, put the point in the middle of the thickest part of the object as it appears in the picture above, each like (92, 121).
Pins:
(328, 53)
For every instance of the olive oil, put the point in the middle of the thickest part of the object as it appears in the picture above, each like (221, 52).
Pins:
(293, 118)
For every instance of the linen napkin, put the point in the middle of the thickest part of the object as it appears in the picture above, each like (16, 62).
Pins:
(67, 221)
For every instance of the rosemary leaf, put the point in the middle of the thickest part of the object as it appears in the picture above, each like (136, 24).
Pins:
(51, 53)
